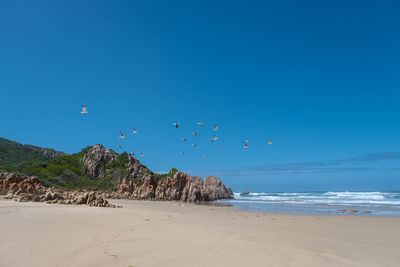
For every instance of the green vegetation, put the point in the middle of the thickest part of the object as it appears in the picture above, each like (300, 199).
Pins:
(66, 172)
(13, 155)
(120, 162)
(158, 177)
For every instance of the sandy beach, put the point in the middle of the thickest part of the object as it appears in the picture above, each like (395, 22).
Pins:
(148, 233)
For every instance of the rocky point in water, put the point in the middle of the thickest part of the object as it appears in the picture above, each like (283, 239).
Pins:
(245, 193)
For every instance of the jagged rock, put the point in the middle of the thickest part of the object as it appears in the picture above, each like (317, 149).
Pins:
(95, 160)
(245, 193)
(215, 189)
(171, 188)
(127, 175)
(146, 190)
(191, 188)
(90, 197)
(81, 199)
(98, 161)
(25, 188)
(136, 170)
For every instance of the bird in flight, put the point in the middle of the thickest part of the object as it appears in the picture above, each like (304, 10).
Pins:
(183, 139)
(194, 133)
(204, 157)
(176, 124)
(194, 144)
(120, 146)
(121, 135)
(245, 145)
(223, 148)
(269, 141)
(182, 153)
(200, 123)
(84, 110)
(134, 131)
(247, 141)
(215, 127)
(211, 139)
(215, 138)
(142, 154)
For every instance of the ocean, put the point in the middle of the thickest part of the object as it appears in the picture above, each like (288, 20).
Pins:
(376, 203)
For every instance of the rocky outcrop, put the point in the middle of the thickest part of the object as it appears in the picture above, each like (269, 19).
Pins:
(18, 184)
(96, 159)
(134, 180)
(28, 188)
(125, 176)
(100, 162)
(245, 193)
(180, 187)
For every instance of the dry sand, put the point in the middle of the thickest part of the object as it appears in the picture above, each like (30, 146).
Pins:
(146, 233)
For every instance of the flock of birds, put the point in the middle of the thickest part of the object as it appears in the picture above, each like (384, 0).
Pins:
(246, 143)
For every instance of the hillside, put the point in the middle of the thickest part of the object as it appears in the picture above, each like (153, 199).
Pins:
(14, 155)
(102, 169)
(96, 168)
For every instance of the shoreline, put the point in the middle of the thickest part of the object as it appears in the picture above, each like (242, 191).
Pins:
(163, 233)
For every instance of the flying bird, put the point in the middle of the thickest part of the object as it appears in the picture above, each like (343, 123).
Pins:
(211, 139)
(204, 157)
(120, 146)
(121, 135)
(247, 140)
(245, 145)
(200, 123)
(194, 144)
(142, 154)
(84, 110)
(223, 148)
(176, 124)
(215, 138)
(269, 141)
(134, 131)
(182, 153)
(215, 127)
(183, 139)
(194, 133)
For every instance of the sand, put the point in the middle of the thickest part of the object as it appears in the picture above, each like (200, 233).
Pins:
(147, 233)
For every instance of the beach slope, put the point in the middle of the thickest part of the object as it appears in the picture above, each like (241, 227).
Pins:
(148, 233)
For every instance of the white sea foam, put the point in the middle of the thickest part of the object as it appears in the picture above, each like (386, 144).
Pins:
(327, 198)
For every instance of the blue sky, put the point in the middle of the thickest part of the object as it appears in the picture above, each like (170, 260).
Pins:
(321, 79)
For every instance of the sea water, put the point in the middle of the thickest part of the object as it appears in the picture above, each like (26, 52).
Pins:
(376, 203)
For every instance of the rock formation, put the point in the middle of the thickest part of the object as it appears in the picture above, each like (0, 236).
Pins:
(126, 178)
(245, 193)
(28, 188)
(134, 180)
(100, 162)
(180, 187)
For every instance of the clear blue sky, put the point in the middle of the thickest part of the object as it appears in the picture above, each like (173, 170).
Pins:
(320, 78)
